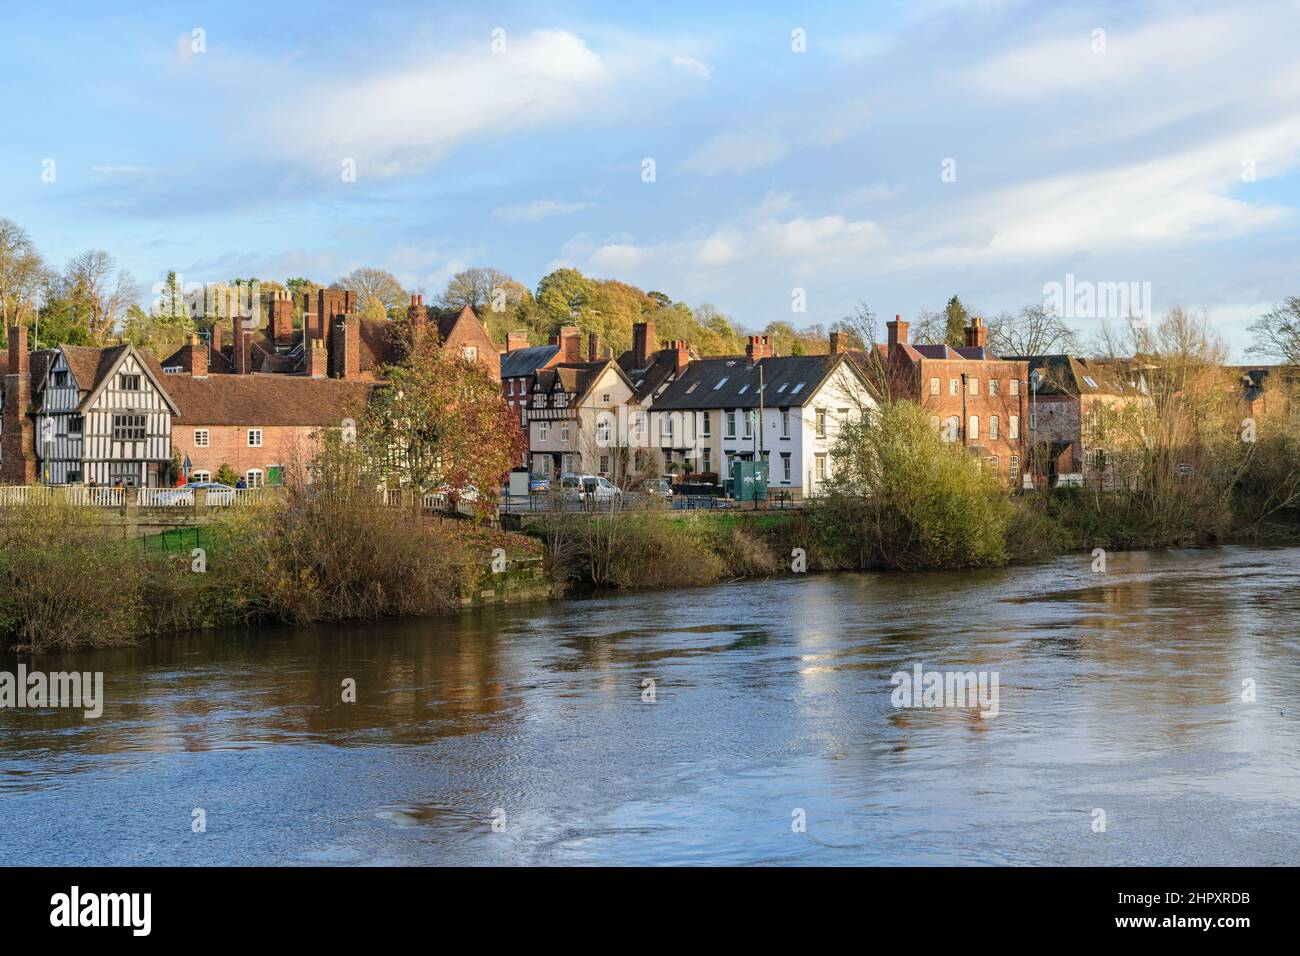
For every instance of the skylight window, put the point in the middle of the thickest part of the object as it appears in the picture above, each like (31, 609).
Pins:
(798, 388)
(1090, 380)
(721, 382)
(694, 386)
(783, 385)
(743, 389)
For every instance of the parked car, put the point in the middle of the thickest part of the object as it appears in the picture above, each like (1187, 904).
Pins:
(468, 493)
(217, 493)
(659, 488)
(588, 487)
(538, 483)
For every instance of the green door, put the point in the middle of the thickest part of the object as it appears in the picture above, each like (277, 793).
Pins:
(275, 474)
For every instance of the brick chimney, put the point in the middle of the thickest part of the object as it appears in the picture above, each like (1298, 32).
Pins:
(216, 338)
(569, 339)
(976, 333)
(897, 332)
(839, 343)
(18, 446)
(417, 316)
(681, 354)
(281, 320)
(516, 340)
(244, 354)
(330, 305)
(759, 347)
(310, 320)
(347, 347)
(593, 347)
(318, 358)
(194, 359)
(643, 344)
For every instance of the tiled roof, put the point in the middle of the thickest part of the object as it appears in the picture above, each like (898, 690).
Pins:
(1068, 375)
(523, 362)
(645, 381)
(788, 380)
(265, 399)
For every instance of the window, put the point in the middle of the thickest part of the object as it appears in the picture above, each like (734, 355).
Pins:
(705, 429)
(510, 387)
(604, 398)
(819, 469)
(974, 386)
(743, 389)
(76, 424)
(934, 386)
(1014, 467)
(561, 399)
(200, 438)
(952, 386)
(731, 424)
(994, 388)
(1013, 427)
(541, 431)
(200, 476)
(785, 467)
(721, 382)
(254, 478)
(785, 423)
(604, 430)
(667, 420)
(1092, 382)
(470, 352)
(1013, 387)
(798, 388)
(564, 431)
(255, 438)
(708, 458)
(952, 426)
(59, 379)
(128, 383)
(821, 423)
(604, 464)
(749, 423)
(973, 432)
(74, 476)
(993, 428)
(992, 464)
(128, 428)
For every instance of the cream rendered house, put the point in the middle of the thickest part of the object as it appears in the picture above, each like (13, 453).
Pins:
(576, 416)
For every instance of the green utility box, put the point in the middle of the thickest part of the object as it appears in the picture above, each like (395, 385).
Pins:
(748, 480)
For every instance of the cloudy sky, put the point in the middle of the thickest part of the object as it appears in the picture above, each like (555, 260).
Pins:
(895, 154)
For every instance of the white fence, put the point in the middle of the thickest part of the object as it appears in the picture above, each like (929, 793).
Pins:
(118, 498)
(22, 494)
(165, 498)
(95, 497)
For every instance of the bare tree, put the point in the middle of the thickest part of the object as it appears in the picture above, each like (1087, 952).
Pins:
(1034, 330)
(377, 291)
(1277, 332)
(102, 289)
(474, 288)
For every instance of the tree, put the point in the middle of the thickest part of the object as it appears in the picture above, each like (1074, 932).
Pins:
(930, 328)
(563, 294)
(473, 288)
(956, 318)
(100, 291)
(377, 291)
(1035, 330)
(22, 275)
(1277, 332)
(441, 423)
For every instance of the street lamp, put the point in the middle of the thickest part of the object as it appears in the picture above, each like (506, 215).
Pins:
(1035, 379)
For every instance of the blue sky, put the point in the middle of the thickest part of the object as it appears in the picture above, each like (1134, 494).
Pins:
(775, 170)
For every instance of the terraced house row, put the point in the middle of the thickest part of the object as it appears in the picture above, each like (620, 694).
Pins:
(254, 398)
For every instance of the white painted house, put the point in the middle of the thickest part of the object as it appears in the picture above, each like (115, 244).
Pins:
(102, 417)
(785, 410)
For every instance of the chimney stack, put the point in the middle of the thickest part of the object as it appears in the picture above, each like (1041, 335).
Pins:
(417, 317)
(976, 333)
(195, 358)
(318, 358)
(569, 339)
(516, 340)
(643, 344)
(281, 308)
(839, 342)
(18, 445)
(347, 346)
(759, 347)
(897, 332)
(593, 347)
(681, 355)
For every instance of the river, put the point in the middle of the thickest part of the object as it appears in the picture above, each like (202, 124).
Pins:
(524, 735)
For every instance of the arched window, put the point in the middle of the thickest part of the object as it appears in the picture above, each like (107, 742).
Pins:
(254, 478)
(973, 432)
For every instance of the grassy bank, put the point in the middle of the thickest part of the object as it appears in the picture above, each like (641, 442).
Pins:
(66, 582)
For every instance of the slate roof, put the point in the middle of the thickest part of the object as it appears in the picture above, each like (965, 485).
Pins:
(1069, 375)
(524, 362)
(733, 383)
(645, 381)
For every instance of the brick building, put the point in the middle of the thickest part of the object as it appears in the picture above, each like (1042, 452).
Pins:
(974, 397)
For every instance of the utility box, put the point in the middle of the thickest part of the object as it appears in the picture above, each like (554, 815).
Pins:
(749, 480)
(519, 481)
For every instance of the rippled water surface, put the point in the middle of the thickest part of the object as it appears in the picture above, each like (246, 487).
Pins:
(1120, 691)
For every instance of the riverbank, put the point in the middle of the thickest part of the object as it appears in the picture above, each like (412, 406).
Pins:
(68, 585)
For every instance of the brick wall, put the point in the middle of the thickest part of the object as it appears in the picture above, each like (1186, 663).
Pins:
(228, 444)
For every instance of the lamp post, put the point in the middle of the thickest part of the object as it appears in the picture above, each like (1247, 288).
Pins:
(1035, 377)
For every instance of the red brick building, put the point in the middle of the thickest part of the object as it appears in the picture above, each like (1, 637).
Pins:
(974, 397)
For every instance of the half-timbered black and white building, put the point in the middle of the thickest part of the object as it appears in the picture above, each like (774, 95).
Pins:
(102, 418)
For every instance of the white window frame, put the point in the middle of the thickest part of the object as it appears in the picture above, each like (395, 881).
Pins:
(201, 438)
(255, 432)
(255, 478)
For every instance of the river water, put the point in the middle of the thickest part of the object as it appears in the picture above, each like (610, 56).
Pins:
(1119, 693)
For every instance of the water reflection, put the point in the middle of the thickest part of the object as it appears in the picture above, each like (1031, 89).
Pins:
(1119, 690)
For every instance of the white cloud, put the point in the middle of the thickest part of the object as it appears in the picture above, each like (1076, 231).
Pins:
(691, 65)
(539, 209)
(401, 120)
(736, 153)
